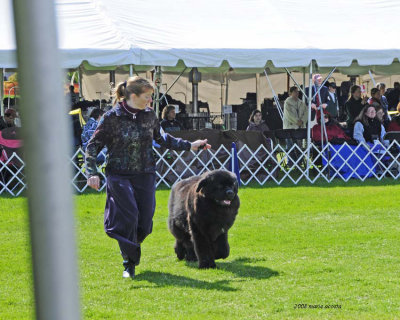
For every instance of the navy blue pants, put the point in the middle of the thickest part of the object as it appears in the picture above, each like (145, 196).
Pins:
(128, 216)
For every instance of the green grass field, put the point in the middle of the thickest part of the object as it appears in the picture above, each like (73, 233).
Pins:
(325, 245)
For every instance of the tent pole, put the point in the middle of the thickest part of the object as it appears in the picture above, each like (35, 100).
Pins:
(309, 120)
(278, 106)
(258, 91)
(295, 82)
(228, 115)
(48, 177)
(304, 84)
(130, 70)
(173, 83)
(80, 82)
(158, 83)
(2, 91)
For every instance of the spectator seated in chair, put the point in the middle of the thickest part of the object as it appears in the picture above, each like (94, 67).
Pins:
(367, 126)
(256, 123)
(334, 131)
(9, 119)
(354, 106)
(380, 114)
(169, 123)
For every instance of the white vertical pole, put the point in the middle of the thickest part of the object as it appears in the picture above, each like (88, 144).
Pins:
(228, 115)
(309, 120)
(130, 70)
(2, 91)
(80, 83)
(232, 158)
(258, 93)
(304, 83)
(47, 141)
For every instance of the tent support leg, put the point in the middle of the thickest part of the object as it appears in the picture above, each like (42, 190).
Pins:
(173, 83)
(49, 178)
(132, 70)
(2, 92)
(158, 83)
(295, 82)
(258, 91)
(278, 105)
(304, 84)
(80, 82)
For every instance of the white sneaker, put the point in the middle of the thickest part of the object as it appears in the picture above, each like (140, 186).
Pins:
(129, 272)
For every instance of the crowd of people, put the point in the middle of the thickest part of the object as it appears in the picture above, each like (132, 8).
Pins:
(367, 118)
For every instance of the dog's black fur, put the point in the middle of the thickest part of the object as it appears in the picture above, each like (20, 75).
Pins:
(201, 211)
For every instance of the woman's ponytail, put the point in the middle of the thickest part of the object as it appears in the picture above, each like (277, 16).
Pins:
(119, 92)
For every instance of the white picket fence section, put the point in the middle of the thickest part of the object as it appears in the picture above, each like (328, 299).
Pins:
(256, 166)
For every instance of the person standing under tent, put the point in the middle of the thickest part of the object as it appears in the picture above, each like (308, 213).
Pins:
(375, 99)
(332, 101)
(295, 116)
(295, 113)
(128, 130)
(393, 96)
(394, 124)
(319, 99)
(353, 107)
(385, 105)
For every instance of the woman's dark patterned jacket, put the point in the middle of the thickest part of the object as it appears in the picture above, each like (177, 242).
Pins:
(129, 139)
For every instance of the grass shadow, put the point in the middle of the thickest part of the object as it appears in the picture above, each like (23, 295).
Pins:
(241, 268)
(164, 279)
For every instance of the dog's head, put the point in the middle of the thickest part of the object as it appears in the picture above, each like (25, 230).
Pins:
(220, 186)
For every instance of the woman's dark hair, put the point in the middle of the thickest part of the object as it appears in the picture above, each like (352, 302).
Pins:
(253, 114)
(292, 89)
(167, 109)
(374, 91)
(136, 85)
(362, 117)
(96, 113)
(354, 89)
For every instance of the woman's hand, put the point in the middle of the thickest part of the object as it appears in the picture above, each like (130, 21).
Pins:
(200, 144)
(94, 182)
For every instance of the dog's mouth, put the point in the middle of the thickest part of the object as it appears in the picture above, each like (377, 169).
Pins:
(225, 202)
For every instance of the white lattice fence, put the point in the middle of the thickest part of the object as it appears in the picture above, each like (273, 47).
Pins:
(256, 166)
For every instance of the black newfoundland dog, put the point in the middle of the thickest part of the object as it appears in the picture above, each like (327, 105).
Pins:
(201, 211)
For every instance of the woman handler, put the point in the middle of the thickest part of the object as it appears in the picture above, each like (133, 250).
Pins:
(128, 131)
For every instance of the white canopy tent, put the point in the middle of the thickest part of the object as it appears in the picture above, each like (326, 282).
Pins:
(353, 36)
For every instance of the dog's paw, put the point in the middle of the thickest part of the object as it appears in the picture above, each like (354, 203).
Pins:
(190, 258)
(207, 264)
